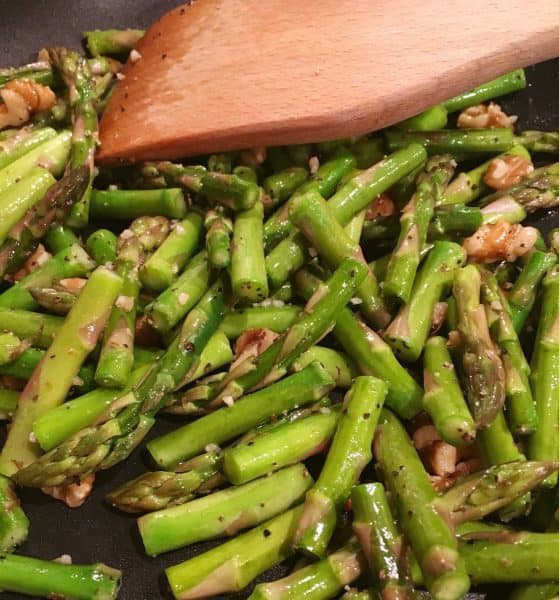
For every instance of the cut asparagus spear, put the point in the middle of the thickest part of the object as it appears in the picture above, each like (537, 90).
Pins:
(101, 244)
(276, 318)
(112, 41)
(129, 204)
(14, 525)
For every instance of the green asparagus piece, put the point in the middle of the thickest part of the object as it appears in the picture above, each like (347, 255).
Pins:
(276, 318)
(340, 366)
(324, 579)
(414, 222)
(470, 141)
(101, 245)
(225, 512)
(14, 525)
(522, 295)
(130, 417)
(56, 300)
(409, 330)
(54, 375)
(129, 204)
(40, 71)
(304, 387)
(175, 302)
(484, 375)
(443, 399)
(156, 490)
(43, 578)
(374, 526)
(535, 591)
(223, 162)
(382, 228)
(51, 155)
(218, 239)
(59, 237)
(72, 262)
(431, 119)
(248, 270)
(505, 84)
(283, 445)
(280, 186)
(48, 211)
(76, 74)
(112, 41)
(540, 141)
(427, 531)
(349, 453)
(8, 403)
(23, 142)
(314, 219)
(233, 565)
(543, 443)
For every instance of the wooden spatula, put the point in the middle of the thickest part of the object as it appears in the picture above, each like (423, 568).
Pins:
(227, 74)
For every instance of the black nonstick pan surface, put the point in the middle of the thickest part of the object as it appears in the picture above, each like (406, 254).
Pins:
(95, 532)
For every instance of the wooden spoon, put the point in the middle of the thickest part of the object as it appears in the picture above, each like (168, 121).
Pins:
(228, 74)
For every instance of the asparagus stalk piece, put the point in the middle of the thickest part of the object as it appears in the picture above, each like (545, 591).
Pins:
(443, 399)
(101, 245)
(112, 41)
(382, 544)
(43, 578)
(224, 424)
(39, 71)
(505, 84)
(130, 417)
(156, 490)
(233, 565)
(427, 530)
(341, 367)
(8, 403)
(324, 579)
(276, 318)
(408, 331)
(431, 119)
(484, 374)
(10, 347)
(540, 141)
(535, 591)
(55, 300)
(278, 447)
(218, 239)
(129, 204)
(76, 74)
(54, 375)
(248, 270)
(225, 512)
(414, 222)
(280, 186)
(349, 453)
(14, 525)
(23, 142)
(543, 443)
(59, 237)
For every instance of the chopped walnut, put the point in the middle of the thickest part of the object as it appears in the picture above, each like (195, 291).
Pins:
(73, 494)
(381, 206)
(253, 157)
(483, 116)
(252, 343)
(493, 242)
(439, 457)
(504, 172)
(22, 98)
(72, 284)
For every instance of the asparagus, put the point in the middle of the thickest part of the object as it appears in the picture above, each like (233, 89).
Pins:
(76, 74)
(156, 490)
(39, 71)
(427, 531)
(223, 162)
(409, 330)
(540, 141)
(175, 302)
(51, 155)
(22, 142)
(218, 242)
(283, 445)
(187, 441)
(382, 544)
(43, 578)
(112, 41)
(71, 262)
(14, 525)
(311, 214)
(521, 412)
(522, 295)
(52, 208)
(129, 204)
(10, 347)
(59, 237)
(535, 591)
(101, 245)
(54, 375)
(341, 367)
(505, 84)
(225, 512)
(130, 417)
(484, 375)
(470, 141)
(443, 399)
(414, 222)
(381, 229)
(248, 271)
(276, 318)
(543, 443)
(280, 186)
(8, 403)
(349, 453)
(56, 300)
(431, 119)
(233, 565)
(324, 579)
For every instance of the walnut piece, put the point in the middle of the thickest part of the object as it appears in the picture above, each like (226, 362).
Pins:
(507, 171)
(493, 242)
(22, 98)
(484, 116)
(73, 494)
(381, 206)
